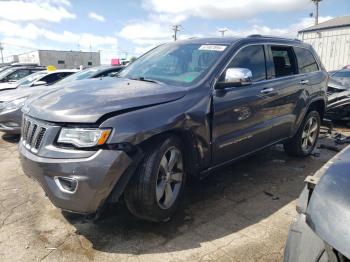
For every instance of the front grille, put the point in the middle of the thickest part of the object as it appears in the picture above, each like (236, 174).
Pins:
(33, 133)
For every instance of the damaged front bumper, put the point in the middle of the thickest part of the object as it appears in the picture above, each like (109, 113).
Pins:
(79, 185)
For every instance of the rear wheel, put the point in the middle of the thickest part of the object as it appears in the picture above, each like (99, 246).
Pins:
(156, 188)
(304, 142)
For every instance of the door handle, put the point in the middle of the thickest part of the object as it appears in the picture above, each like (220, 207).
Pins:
(267, 90)
(304, 82)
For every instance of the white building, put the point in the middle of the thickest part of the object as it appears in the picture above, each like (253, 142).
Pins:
(61, 59)
(331, 40)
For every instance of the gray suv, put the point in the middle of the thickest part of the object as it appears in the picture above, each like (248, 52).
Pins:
(182, 110)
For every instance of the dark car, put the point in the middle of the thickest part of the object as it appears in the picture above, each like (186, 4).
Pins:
(184, 109)
(93, 72)
(342, 76)
(15, 73)
(338, 107)
(334, 86)
(321, 231)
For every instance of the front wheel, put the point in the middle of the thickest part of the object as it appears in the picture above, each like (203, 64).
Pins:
(155, 190)
(304, 142)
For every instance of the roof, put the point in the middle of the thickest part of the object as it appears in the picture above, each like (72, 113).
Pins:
(332, 23)
(231, 40)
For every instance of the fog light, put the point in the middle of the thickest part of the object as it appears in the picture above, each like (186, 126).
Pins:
(66, 184)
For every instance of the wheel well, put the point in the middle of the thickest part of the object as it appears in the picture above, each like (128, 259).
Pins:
(319, 106)
(188, 142)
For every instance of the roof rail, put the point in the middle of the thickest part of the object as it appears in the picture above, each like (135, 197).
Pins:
(278, 37)
(255, 35)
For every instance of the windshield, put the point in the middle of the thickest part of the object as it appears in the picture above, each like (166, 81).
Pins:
(4, 68)
(178, 64)
(6, 72)
(87, 73)
(27, 81)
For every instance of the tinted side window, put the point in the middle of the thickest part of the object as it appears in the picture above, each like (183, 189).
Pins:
(252, 58)
(51, 78)
(18, 74)
(284, 61)
(110, 72)
(306, 61)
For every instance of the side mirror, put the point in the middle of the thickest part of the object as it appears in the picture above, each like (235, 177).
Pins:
(235, 77)
(39, 83)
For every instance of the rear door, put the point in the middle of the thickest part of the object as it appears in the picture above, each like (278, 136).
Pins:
(285, 81)
(309, 70)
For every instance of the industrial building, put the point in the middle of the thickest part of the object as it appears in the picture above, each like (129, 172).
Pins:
(331, 40)
(61, 59)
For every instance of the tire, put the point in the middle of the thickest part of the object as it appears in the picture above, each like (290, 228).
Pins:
(154, 193)
(304, 142)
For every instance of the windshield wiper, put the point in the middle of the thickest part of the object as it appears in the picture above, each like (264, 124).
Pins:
(141, 78)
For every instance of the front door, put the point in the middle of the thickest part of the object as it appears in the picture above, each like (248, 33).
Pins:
(241, 123)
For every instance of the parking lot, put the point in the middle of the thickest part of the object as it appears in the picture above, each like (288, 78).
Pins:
(241, 213)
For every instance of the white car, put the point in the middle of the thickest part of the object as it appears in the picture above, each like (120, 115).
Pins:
(39, 78)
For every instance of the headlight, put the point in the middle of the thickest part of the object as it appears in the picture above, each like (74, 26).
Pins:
(15, 104)
(84, 137)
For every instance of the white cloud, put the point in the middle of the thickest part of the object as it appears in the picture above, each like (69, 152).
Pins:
(96, 17)
(146, 33)
(223, 9)
(290, 31)
(36, 10)
(20, 39)
(32, 32)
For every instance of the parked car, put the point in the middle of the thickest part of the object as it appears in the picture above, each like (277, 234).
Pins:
(16, 73)
(17, 65)
(93, 72)
(338, 107)
(11, 101)
(4, 68)
(321, 231)
(184, 109)
(342, 76)
(44, 77)
(334, 86)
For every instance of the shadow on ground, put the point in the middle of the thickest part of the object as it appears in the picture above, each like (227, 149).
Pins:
(13, 139)
(248, 192)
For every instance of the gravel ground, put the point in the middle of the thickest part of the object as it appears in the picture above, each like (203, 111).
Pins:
(241, 213)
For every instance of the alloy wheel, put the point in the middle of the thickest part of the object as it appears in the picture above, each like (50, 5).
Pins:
(170, 178)
(309, 135)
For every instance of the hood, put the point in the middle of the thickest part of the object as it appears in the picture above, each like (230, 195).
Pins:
(8, 86)
(333, 83)
(328, 212)
(85, 101)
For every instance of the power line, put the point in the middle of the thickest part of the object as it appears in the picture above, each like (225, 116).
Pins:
(176, 29)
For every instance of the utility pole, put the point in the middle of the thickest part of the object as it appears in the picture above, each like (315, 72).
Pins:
(316, 2)
(2, 56)
(222, 31)
(176, 29)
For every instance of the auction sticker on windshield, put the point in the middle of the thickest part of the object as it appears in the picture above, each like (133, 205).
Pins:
(218, 48)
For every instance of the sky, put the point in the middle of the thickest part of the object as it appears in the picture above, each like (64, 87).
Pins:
(125, 28)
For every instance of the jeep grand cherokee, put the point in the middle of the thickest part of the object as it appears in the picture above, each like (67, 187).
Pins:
(182, 110)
